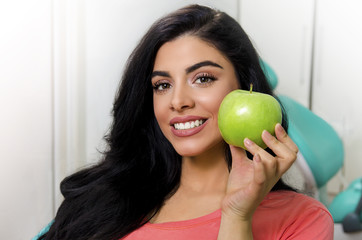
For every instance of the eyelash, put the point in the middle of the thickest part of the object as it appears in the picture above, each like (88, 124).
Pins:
(157, 85)
(209, 77)
(204, 76)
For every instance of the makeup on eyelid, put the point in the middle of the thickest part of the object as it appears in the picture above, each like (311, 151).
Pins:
(205, 79)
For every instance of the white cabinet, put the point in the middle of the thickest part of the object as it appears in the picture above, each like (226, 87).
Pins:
(337, 79)
(282, 31)
(323, 70)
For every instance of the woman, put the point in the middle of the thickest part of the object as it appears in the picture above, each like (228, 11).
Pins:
(168, 174)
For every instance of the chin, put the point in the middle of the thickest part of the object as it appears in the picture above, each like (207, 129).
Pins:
(187, 152)
(194, 150)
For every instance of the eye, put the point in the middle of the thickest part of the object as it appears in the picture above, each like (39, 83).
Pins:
(205, 78)
(161, 86)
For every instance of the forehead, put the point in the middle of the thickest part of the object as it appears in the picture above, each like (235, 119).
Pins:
(186, 50)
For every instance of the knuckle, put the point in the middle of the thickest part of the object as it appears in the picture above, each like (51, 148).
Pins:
(274, 141)
(292, 156)
(296, 149)
(272, 164)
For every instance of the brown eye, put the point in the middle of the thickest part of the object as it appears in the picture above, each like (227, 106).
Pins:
(161, 86)
(204, 79)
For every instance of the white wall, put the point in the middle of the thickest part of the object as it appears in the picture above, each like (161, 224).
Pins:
(338, 77)
(282, 32)
(26, 117)
(60, 65)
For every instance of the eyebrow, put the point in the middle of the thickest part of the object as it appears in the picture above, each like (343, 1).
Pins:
(189, 69)
(160, 73)
(202, 64)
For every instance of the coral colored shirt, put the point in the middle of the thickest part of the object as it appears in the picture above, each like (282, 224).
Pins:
(281, 215)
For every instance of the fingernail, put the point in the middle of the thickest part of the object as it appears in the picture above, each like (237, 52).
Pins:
(267, 135)
(257, 158)
(280, 128)
(247, 142)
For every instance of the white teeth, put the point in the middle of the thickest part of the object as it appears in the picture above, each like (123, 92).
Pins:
(188, 125)
(197, 123)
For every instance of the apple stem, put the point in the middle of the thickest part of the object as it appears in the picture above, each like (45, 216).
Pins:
(251, 88)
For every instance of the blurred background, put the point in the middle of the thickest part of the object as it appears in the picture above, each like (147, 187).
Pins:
(61, 62)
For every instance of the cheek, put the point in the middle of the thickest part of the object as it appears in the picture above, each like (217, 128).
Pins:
(213, 99)
(211, 102)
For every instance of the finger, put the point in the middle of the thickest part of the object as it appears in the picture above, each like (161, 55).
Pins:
(240, 165)
(279, 148)
(238, 156)
(263, 181)
(283, 137)
(285, 155)
(267, 159)
(237, 152)
(254, 148)
(260, 175)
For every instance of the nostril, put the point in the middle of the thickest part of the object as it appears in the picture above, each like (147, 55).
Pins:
(179, 107)
(181, 99)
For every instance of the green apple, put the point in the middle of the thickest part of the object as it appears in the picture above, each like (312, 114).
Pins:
(245, 114)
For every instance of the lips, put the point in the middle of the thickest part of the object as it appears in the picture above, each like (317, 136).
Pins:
(187, 126)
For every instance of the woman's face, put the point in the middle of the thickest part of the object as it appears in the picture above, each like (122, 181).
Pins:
(190, 79)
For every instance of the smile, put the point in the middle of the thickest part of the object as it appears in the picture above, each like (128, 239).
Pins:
(188, 125)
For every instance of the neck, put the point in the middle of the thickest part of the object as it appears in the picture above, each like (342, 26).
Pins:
(207, 172)
(202, 187)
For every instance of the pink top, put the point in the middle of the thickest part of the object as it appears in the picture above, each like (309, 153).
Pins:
(281, 215)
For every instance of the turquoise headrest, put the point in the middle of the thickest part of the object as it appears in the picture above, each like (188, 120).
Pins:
(271, 76)
(316, 139)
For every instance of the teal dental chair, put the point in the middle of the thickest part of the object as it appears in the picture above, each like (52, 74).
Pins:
(320, 157)
(320, 148)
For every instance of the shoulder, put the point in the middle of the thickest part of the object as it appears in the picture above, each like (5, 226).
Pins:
(284, 200)
(291, 215)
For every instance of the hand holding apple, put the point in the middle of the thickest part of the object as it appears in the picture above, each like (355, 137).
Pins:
(245, 114)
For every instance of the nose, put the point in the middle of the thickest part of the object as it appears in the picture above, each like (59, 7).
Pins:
(182, 99)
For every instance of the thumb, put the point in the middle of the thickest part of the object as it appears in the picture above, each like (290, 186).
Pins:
(239, 157)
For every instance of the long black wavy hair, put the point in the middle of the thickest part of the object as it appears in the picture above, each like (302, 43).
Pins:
(140, 169)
